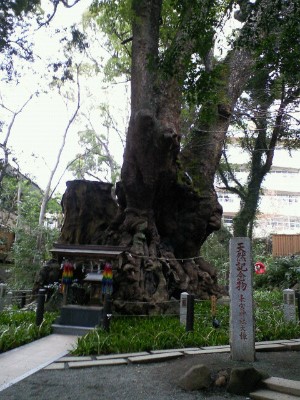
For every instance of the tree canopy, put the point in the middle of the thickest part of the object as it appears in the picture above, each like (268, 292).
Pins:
(18, 21)
(187, 79)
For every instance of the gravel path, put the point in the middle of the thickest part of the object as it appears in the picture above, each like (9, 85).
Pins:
(156, 381)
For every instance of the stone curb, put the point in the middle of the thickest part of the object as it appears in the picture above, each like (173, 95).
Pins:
(162, 355)
(155, 357)
(96, 363)
(290, 387)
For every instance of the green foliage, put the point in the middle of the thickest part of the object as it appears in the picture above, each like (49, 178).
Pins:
(195, 19)
(96, 159)
(114, 19)
(282, 273)
(262, 250)
(270, 324)
(18, 328)
(14, 24)
(8, 194)
(216, 251)
(134, 334)
(273, 38)
(128, 334)
(25, 213)
(203, 87)
(26, 260)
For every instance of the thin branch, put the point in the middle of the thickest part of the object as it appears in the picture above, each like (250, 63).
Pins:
(232, 176)
(70, 122)
(15, 114)
(55, 4)
(67, 5)
(3, 145)
(230, 188)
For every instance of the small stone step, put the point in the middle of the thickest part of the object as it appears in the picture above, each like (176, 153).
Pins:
(265, 394)
(71, 330)
(283, 385)
(75, 315)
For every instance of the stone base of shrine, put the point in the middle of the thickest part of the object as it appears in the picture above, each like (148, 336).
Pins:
(78, 320)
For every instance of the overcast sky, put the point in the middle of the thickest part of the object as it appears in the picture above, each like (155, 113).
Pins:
(37, 133)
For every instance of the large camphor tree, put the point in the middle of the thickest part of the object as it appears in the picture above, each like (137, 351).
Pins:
(167, 205)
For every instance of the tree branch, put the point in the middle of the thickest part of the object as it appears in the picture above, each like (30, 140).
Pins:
(55, 4)
(3, 145)
(70, 122)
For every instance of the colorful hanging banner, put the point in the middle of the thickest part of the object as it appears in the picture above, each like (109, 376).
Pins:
(68, 272)
(107, 279)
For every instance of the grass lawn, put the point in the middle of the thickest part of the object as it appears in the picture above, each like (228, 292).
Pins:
(134, 334)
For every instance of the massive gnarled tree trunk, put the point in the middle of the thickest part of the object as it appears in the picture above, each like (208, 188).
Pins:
(165, 220)
(164, 216)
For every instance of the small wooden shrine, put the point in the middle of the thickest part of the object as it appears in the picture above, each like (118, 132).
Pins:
(88, 265)
(91, 267)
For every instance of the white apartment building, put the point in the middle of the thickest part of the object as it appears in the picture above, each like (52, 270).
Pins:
(279, 207)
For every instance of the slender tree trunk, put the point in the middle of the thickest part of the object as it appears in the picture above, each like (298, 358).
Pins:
(261, 163)
(47, 192)
(19, 194)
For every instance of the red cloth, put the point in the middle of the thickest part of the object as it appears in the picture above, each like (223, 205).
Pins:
(259, 268)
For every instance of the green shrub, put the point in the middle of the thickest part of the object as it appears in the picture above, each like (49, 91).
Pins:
(216, 251)
(134, 334)
(282, 273)
(18, 328)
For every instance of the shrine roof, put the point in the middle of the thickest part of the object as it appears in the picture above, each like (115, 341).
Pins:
(87, 250)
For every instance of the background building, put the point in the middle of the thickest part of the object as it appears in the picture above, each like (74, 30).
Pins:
(279, 206)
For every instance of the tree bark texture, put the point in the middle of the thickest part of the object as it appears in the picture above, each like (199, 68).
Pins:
(88, 209)
(165, 220)
(163, 216)
(156, 268)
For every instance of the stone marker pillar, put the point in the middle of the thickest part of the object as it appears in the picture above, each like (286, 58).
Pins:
(183, 307)
(187, 311)
(39, 316)
(242, 337)
(2, 295)
(289, 307)
(3, 287)
(9, 299)
(107, 312)
(189, 326)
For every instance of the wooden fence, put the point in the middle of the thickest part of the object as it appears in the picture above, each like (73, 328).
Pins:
(14, 297)
(285, 245)
(6, 242)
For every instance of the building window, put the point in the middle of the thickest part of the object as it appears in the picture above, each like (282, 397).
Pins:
(224, 197)
(290, 199)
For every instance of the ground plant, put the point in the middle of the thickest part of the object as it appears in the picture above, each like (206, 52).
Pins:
(282, 273)
(134, 334)
(18, 327)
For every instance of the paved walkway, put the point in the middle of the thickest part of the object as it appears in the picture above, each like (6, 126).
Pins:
(23, 361)
(51, 352)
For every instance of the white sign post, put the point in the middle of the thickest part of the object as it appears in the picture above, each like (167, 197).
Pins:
(289, 306)
(183, 307)
(2, 295)
(242, 338)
